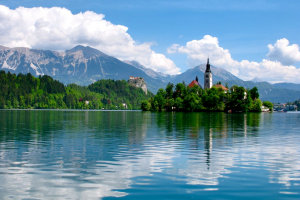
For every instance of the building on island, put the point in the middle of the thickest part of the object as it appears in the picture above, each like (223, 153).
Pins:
(207, 76)
(138, 82)
(219, 85)
(208, 83)
(194, 83)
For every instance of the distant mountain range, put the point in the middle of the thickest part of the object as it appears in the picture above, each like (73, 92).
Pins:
(80, 65)
(85, 65)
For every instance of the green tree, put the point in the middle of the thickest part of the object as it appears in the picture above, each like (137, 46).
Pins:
(70, 100)
(256, 106)
(169, 104)
(180, 90)
(145, 105)
(268, 104)
(254, 93)
(179, 104)
(160, 98)
(2, 103)
(213, 99)
(237, 100)
(192, 102)
(169, 90)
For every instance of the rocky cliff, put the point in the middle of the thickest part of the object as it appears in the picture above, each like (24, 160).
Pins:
(138, 82)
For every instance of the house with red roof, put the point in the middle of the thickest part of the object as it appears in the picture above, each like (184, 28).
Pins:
(194, 83)
(225, 89)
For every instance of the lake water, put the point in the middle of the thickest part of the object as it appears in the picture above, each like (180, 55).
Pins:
(143, 155)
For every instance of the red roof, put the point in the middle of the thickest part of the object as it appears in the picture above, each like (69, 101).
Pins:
(193, 83)
(221, 86)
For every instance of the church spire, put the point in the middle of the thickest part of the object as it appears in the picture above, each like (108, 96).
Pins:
(207, 66)
(207, 76)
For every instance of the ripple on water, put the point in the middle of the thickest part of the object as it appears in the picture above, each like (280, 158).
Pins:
(137, 155)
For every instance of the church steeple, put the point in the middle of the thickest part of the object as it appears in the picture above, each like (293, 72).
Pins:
(207, 76)
(207, 66)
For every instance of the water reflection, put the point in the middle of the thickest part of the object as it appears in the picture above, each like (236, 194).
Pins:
(55, 154)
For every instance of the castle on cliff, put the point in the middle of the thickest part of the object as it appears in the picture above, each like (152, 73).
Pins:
(138, 82)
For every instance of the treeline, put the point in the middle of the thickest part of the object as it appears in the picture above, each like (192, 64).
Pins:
(296, 103)
(26, 92)
(119, 92)
(184, 98)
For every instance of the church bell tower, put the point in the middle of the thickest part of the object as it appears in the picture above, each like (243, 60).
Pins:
(207, 76)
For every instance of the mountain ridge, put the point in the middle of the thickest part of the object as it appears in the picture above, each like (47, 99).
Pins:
(84, 65)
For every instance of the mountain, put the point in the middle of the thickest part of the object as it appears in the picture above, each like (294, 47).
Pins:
(291, 86)
(85, 65)
(148, 71)
(219, 74)
(80, 65)
(277, 93)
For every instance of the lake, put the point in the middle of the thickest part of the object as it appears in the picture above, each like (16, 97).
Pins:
(49, 154)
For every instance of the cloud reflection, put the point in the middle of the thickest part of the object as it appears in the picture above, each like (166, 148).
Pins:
(93, 160)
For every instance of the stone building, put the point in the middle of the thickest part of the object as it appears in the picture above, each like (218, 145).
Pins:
(138, 82)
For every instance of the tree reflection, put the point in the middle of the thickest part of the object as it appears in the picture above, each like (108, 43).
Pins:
(101, 153)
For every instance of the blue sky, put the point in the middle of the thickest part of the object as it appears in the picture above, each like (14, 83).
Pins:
(244, 28)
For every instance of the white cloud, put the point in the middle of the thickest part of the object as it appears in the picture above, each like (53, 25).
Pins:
(283, 52)
(199, 50)
(272, 70)
(58, 29)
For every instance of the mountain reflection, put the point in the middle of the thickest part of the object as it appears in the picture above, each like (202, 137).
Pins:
(90, 154)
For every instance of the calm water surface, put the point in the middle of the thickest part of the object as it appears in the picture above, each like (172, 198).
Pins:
(140, 155)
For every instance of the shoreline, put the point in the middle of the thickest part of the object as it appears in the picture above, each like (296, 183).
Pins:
(104, 110)
(70, 110)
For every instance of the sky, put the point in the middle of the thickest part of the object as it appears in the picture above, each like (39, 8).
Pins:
(256, 39)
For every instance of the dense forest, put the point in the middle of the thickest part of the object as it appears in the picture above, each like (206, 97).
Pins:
(26, 92)
(184, 98)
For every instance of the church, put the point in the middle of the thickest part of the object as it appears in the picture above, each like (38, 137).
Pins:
(207, 78)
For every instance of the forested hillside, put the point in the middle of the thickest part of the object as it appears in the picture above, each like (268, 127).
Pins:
(27, 91)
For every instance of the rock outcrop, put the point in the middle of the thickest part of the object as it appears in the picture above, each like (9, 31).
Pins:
(138, 82)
